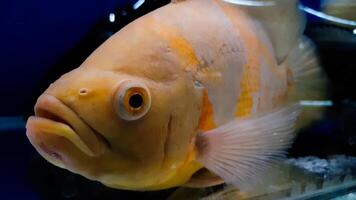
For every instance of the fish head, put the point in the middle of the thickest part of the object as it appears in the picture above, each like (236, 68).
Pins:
(125, 126)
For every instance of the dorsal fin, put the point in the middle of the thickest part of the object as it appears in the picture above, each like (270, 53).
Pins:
(282, 20)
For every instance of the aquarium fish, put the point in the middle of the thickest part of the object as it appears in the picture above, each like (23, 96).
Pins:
(344, 9)
(195, 93)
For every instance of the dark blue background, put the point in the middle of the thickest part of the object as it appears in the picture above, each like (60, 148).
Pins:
(34, 35)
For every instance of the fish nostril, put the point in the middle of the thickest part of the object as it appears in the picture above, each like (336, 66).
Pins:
(83, 91)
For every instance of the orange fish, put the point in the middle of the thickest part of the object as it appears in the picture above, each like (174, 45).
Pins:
(192, 94)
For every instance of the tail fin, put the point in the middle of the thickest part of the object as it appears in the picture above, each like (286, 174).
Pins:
(307, 81)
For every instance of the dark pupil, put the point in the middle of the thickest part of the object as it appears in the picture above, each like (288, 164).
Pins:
(136, 101)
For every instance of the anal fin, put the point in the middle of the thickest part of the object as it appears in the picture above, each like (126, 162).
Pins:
(204, 178)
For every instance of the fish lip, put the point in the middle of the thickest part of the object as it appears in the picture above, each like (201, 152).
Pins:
(51, 109)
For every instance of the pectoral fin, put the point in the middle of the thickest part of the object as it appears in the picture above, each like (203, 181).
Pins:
(241, 150)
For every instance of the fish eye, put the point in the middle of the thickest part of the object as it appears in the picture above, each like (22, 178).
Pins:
(136, 101)
(132, 100)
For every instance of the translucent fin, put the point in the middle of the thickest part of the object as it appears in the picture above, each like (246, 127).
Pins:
(283, 22)
(241, 150)
(307, 81)
(204, 178)
(303, 60)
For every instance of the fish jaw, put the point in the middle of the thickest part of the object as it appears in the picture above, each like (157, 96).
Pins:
(55, 126)
(47, 137)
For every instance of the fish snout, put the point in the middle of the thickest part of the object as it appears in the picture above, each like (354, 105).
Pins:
(56, 127)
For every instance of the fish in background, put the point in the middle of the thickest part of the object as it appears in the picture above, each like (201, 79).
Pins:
(195, 93)
(345, 9)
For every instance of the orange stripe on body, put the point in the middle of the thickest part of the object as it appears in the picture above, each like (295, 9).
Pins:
(249, 84)
(185, 51)
(179, 45)
(206, 121)
(251, 79)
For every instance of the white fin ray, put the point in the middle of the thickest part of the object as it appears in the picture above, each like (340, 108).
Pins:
(308, 81)
(242, 149)
(303, 61)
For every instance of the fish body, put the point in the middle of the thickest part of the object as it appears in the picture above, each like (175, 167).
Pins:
(194, 85)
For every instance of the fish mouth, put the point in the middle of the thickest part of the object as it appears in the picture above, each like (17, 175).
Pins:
(54, 119)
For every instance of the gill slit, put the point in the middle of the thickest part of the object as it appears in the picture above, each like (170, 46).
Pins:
(168, 136)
